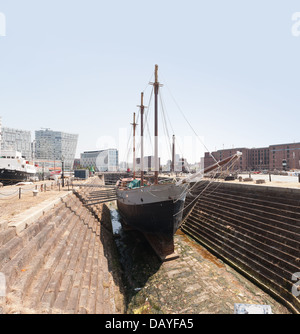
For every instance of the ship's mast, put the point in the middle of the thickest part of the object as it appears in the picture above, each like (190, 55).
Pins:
(134, 126)
(156, 163)
(142, 139)
(173, 155)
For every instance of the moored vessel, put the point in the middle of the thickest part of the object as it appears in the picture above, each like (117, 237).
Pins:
(156, 208)
(14, 168)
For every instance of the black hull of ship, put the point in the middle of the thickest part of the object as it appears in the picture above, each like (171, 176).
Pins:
(158, 222)
(8, 177)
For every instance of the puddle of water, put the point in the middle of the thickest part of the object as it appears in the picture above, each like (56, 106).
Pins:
(136, 257)
(115, 221)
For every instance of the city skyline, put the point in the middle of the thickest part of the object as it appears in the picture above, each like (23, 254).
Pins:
(38, 149)
(230, 69)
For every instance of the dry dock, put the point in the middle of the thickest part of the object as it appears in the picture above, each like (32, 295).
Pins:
(58, 256)
(255, 227)
(195, 283)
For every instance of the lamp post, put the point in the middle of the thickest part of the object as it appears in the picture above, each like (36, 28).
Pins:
(62, 173)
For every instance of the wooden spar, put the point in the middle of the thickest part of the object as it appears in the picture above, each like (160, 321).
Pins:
(156, 86)
(156, 164)
(222, 162)
(173, 155)
(134, 126)
(210, 168)
(142, 139)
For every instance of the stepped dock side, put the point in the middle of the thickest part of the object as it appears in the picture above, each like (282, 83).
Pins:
(254, 228)
(61, 262)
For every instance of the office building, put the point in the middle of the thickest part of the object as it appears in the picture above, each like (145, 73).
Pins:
(56, 146)
(101, 161)
(16, 140)
(149, 163)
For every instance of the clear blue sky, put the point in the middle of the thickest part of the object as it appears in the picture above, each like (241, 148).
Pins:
(232, 66)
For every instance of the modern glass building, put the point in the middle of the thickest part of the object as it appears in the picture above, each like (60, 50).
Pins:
(17, 140)
(101, 161)
(56, 145)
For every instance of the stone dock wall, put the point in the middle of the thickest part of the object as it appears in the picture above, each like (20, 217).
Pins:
(256, 229)
(63, 261)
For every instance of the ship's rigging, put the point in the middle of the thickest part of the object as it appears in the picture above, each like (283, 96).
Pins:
(167, 140)
(155, 207)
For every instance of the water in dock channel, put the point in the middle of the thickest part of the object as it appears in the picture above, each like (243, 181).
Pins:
(137, 259)
(197, 282)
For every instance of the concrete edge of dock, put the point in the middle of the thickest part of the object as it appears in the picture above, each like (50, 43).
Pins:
(28, 217)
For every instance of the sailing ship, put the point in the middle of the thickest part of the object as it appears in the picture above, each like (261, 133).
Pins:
(14, 168)
(155, 209)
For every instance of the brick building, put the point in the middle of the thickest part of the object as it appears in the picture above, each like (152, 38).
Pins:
(275, 157)
(284, 156)
(242, 164)
(258, 159)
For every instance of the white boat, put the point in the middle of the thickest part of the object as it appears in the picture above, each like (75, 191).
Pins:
(14, 168)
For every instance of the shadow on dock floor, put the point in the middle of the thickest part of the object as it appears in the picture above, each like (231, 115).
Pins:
(195, 283)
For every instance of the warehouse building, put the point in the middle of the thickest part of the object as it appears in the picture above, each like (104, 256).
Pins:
(279, 157)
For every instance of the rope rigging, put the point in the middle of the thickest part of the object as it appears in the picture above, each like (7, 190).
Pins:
(166, 123)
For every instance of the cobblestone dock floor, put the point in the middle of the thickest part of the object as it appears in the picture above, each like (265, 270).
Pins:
(195, 283)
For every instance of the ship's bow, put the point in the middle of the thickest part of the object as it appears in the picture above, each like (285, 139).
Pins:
(156, 211)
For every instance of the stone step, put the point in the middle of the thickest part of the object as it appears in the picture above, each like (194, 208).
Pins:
(258, 219)
(255, 228)
(269, 256)
(268, 275)
(278, 197)
(32, 255)
(35, 257)
(48, 284)
(78, 273)
(67, 283)
(30, 216)
(87, 288)
(260, 234)
(6, 235)
(289, 208)
(15, 242)
(290, 218)
(61, 266)
(72, 304)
